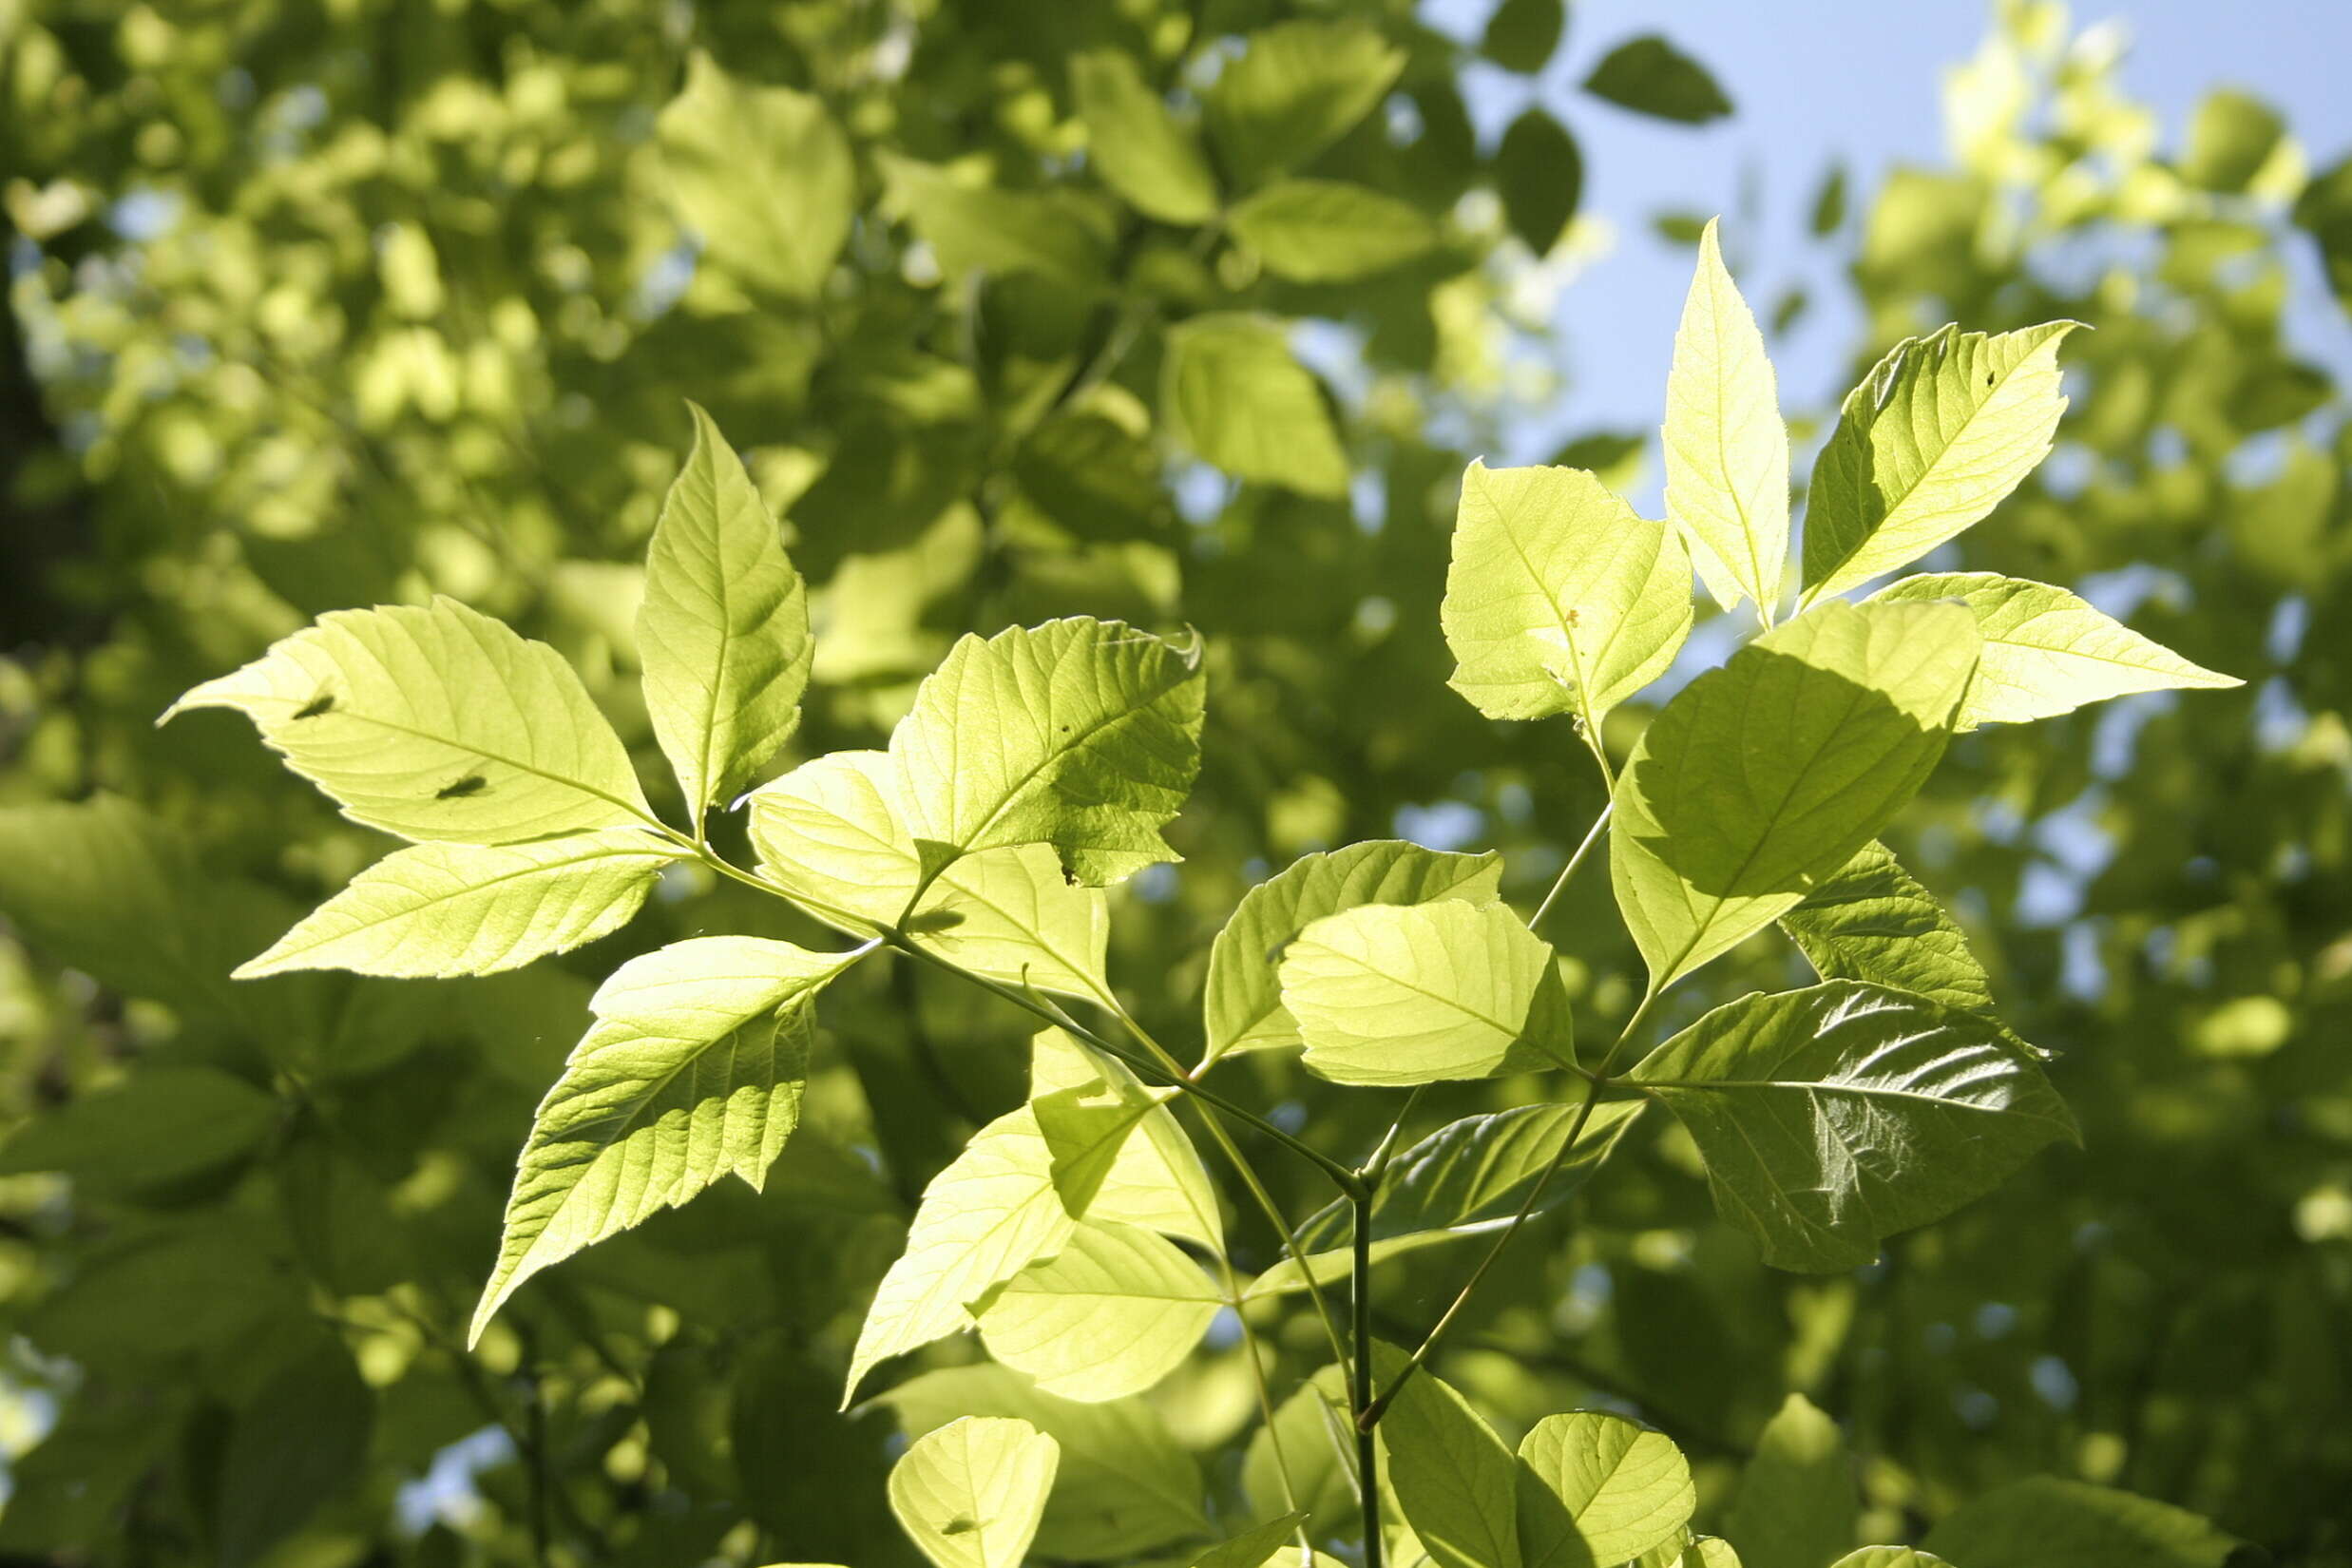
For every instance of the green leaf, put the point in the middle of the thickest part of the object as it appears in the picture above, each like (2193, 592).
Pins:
(831, 834)
(1522, 35)
(1726, 451)
(1558, 599)
(1871, 920)
(1540, 175)
(301, 1443)
(1243, 1007)
(2046, 1520)
(1318, 1453)
(970, 1494)
(1934, 438)
(1083, 735)
(1709, 1552)
(1893, 1556)
(996, 1208)
(1761, 779)
(1295, 88)
(1390, 994)
(1112, 1313)
(1651, 76)
(762, 173)
(1252, 1548)
(1596, 1488)
(1469, 1178)
(435, 723)
(1242, 402)
(2230, 138)
(2047, 652)
(978, 227)
(1455, 1482)
(693, 1070)
(1126, 1485)
(1834, 1116)
(162, 1124)
(441, 909)
(1153, 1177)
(723, 632)
(1796, 1503)
(1140, 148)
(1328, 231)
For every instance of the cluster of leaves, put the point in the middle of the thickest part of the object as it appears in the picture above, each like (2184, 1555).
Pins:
(332, 312)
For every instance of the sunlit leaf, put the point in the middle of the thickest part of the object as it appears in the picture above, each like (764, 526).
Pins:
(1328, 231)
(1596, 1488)
(1837, 1115)
(970, 1493)
(1934, 438)
(1294, 89)
(1726, 451)
(1890, 1556)
(440, 910)
(1082, 734)
(973, 226)
(435, 723)
(2046, 651)
(1141, 150)
(1456, 1483)
(1559, 599)
(762, 173)
(723, 633)
(1241, 401)
(1112, 1313)
(1796, 1503)
(693, 1071)
(1761, 779)
(1412, 994)
(1243, 1004)
(1870, 920)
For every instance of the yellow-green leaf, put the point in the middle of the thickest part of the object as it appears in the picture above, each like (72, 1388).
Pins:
(1136, 144)
(1596, 1488)
(1241, 401)
(763, 175)
(970, 1494)
(1329, 231)
(1456, 1483)
(1112, 1313)
(1726, 451)
(1295, 88)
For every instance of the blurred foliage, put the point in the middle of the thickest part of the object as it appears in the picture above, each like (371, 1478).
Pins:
(315, 306)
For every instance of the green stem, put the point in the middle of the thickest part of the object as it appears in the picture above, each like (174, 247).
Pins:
(1591, 837)
(1360, 1400)
(1368, 1417)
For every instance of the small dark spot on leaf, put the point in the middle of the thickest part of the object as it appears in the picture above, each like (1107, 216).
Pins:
(316, 706)
(1065, 729)
(471, 784)
(959, 1526)
(1988, 378)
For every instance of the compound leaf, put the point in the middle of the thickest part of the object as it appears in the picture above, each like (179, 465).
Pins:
(1727, 450)
(1763, 777)
(1935, 437)
(1082, 734)
(970, 1494)
(1559, 599)
(1390, 994)
(1834, 1116)
(693, 1070)
(441, 909)
(435, 723)
(723, 633)
(2046, 651)
(1243, 1009)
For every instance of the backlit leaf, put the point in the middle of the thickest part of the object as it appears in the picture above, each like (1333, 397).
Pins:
(440, 910)
(1112, 1313)
(1410, 994)
(970, 1494)
(1596, 1488)
(1796, 1503)
(763, 175)
(435, 723)
(1726, 451)
(1141, 149)
(1454, 1479)
(1560, 598)
(723, 633)
(1328, 231)
(1760, 779)
(1890, 1556)
(2046, 651)
(1295, 88)
(1243, 1005)
(1083, 735)
(1243, 403)
(1834, 1116)
(1934, 438)
(1870, 920)
(693, 1071)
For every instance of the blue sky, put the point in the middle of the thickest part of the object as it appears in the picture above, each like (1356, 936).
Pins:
(1856, 81)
